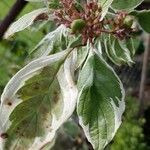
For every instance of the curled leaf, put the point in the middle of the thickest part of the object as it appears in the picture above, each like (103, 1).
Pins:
(54, 41)
(24, 22)
(36, 102)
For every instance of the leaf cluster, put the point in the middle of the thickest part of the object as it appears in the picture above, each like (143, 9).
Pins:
(65, 75)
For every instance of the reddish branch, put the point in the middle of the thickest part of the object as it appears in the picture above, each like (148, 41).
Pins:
(13, 13)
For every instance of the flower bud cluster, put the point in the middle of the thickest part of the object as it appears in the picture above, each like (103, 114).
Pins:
(90, 14)
(87, 21)
(121, 25)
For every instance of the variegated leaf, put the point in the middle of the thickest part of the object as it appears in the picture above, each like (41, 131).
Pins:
(105, 4)
(24, 22)
(118, 51)
(101, 101)
(53, 42)
(143, 18)
(36, 102)
(82, 54)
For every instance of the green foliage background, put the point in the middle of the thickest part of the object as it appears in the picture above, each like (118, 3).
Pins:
(130, 135)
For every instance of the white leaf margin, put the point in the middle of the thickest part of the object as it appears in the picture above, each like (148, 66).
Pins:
(105, 4)
(69, 91)
(24, 22)
(118, 111)
(51, 37)
(85, 128)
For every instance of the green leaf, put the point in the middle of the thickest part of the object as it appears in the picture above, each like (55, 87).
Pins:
(24, 22)
(143, 18)
(54, 41)
(98, 44)
(126, 4)
(54, 4)
(101, 101)
(105, 4)
(130, 43)
(118, 51)
(81, 2)
(82, 54)
(74, 41)
(37, 101)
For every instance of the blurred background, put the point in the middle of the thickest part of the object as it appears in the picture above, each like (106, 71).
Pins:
(134, 133)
